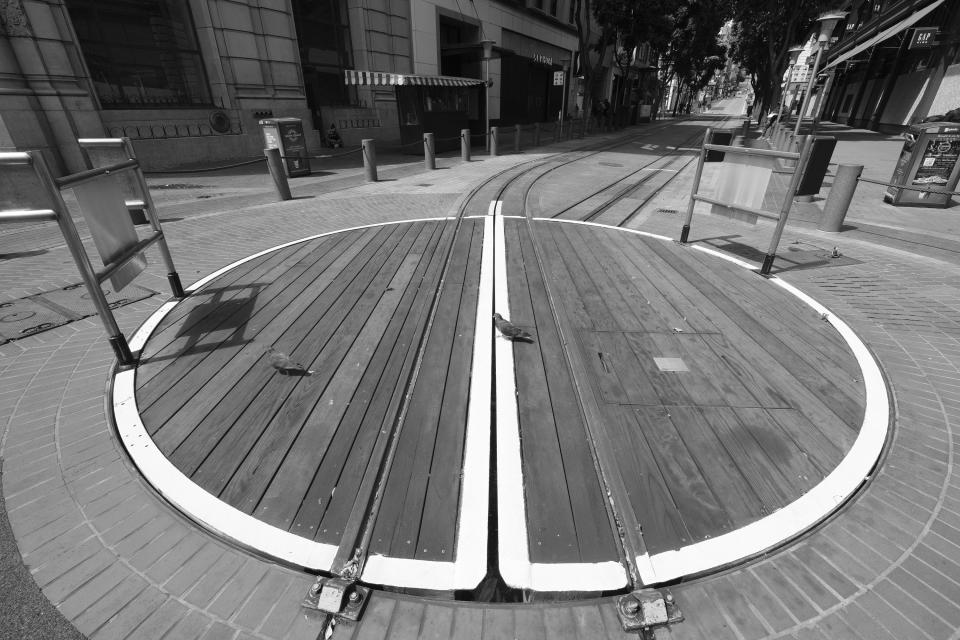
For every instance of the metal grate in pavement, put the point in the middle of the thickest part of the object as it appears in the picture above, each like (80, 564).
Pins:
(44, 311)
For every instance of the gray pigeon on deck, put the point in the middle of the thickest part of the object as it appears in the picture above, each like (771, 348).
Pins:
(282, 363)
(510, 330)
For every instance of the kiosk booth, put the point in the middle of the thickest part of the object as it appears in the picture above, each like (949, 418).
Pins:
(441, 105)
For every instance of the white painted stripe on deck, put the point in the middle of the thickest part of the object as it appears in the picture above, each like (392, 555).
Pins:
(513, 545)
(201, 506)
(469, 564)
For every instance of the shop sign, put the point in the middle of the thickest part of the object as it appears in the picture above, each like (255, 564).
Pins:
(923, 38)
(558, 78)
(542, 59)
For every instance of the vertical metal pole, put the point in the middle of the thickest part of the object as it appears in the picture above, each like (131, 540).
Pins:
(787, 204)
(516, 138)
(465, 145)
(810, 83)
(176, 287)
(369, 150)
(493, 141)
(486, 98)
(685, 231)
(117, 341)
(536, 134)
(429, 158)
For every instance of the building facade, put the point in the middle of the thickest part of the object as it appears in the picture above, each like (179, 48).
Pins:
(189, 80)
(894, 62)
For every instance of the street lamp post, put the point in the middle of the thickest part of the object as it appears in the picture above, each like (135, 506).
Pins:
(794, 56)
(487, 55)
(827, 23)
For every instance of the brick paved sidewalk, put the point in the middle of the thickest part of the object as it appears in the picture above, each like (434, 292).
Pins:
(118, 562)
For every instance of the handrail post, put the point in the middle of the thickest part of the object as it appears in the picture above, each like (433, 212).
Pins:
(118, 342)
(516, 138)
(493, 141)
(429, 156)
(465, 145)
(685, 231)
(173, 278)
(787, 204)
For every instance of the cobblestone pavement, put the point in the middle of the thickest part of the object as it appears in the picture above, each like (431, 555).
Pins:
(117, 562)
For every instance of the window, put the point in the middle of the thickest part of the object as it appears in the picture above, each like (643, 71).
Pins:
(141, 53)
(324, 36)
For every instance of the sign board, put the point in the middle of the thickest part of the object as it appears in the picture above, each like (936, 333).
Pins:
(939, 158)
(930, 157)
(558, 78)
(102, 204)
(923, 37)
(287, 135)
(742, 181)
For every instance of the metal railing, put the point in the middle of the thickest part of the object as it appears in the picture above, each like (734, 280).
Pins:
(801, 158)
(51, 187)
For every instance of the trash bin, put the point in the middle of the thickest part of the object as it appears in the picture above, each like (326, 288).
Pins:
(816, 169)
(286, 134)
(929, 158)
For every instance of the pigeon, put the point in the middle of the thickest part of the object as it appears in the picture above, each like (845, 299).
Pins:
(287, 367)
(509, 330)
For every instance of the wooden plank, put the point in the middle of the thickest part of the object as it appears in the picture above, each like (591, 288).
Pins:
(350, 506)
(595, 538)
(801, 368)
(713, 371)
(697, 504)
(632, 376)
(311, 420)
(467, 624)
(528, 623)
(443, 490)
(407, 617)
(437, 622)
(594, 301)
(350, 450)
(216, 323)
(243, 412)
(781, 449)
(667, 384)
(650, 499)
(775, 387)
(498, 623)
(732, 490)
(242, 482)
(815, 440)
(199, 389)
(376, 617)
(601, 364)
(765, 478)
(399, 518)
(697, 385)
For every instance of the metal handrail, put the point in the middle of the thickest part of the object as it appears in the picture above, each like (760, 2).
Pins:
(28, 215)
(81, 177)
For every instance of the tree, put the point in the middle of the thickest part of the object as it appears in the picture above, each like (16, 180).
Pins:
(763, 34)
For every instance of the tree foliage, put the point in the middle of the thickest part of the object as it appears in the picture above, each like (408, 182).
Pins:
(764, 31)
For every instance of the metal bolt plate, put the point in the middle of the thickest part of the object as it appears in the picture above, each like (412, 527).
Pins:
(671, 364)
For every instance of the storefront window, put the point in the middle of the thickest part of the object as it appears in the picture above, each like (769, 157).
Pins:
(141, 53)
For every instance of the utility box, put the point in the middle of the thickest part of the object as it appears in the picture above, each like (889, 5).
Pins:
(286, 134)
(929, 158)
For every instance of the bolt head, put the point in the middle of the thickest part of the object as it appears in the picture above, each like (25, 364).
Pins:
(631, 606)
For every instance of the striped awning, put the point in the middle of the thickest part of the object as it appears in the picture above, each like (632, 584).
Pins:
(406, 79)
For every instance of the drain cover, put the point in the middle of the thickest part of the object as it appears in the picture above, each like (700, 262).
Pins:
(666, 211)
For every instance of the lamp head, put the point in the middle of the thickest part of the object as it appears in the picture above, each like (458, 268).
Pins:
(828, 21)
(487, 48)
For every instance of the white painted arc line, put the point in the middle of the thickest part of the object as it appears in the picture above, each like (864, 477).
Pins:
(201, 506)
(513, 544)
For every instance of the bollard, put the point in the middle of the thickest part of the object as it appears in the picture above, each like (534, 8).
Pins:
(840, 196)
(516, 138)
(493, 141)
(369, 148)
(429, 157)
(583, 127)
(275, 166)
(536, 134)
(465, 145)
(746, 131)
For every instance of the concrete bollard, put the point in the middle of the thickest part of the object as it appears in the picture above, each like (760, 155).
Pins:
(465, 145)
(746, 131)
(536, 134)
(369, 150)
(275, 166)
(840, 196)
(493, 141)
(583, 127)
(516, 138)
(429, 156)
(557, 131)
